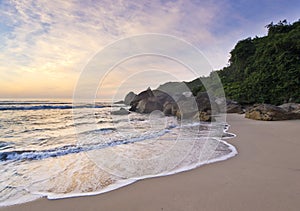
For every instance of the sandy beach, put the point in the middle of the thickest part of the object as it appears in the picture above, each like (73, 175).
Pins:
(263, 176)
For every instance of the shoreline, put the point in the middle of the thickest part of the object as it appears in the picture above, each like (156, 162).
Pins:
(267, 181)
(125, 182)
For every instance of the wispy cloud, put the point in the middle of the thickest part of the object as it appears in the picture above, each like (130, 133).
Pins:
(54, 39)
(45, 44)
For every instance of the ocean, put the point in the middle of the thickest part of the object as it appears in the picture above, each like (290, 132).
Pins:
(50, 148)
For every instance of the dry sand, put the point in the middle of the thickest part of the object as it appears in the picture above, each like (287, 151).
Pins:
(264, 176)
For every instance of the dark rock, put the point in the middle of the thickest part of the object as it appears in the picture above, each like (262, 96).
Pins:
(162, 97)
(122, 111)
(167, 108)
(184, 107)
(205, 103)
(143, 95)
(174, 109)
(187, 108)
(148, 101)
(233, 107)
(290, 107)
(204, 117)
(129, 97)
(297, 111)
(268, 112)
(148, 105)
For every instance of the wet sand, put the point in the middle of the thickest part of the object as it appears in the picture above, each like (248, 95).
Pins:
(263, 176)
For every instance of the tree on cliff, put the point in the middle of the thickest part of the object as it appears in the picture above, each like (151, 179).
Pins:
(263, 69)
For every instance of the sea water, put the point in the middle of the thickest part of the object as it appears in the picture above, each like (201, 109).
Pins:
(48, 150)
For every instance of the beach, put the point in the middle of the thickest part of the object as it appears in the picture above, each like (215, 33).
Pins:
(263, 176)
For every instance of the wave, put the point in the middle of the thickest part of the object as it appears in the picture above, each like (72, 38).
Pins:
(59, 127)
(71, 149)
(47, 107)
(5, 145)
(233, 152)
(31, 102)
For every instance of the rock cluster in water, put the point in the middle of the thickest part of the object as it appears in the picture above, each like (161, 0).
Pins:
(200, 107)
(181, 106)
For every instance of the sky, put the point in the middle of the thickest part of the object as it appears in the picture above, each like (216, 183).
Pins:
(45, 45)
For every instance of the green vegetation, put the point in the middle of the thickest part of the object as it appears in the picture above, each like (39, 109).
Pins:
(262, 69)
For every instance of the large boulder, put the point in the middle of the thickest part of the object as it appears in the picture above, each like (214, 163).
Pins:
(297, 111)
(187, 108)
(204, 117)
(129, 97)
(167, 108)
(148, 105)
(143, 95)
(268, 112)
(203, 101)
(148, 101)
(206, 102)
(162, 96)
(290, 107)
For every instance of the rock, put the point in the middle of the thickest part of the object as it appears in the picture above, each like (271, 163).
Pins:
(297, 111)
(148, 105)
(148, 101)
(205, 103)
(268, 112)
(187, 108)
(204, 117)
(167, 108)
(233, 107)
(162, 97)
(143, 95)
(290, 107)
(174, 109)
(129, 97)
(122, 111)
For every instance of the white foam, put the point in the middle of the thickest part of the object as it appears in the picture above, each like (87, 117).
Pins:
(121, 183)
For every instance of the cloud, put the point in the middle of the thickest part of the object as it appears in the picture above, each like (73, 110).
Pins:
(60, 31)
(54, 40)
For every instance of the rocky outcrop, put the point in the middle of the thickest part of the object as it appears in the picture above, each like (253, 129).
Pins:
(203, 102)
(204, 117)
(187, 108)
(290, 107)
(268, 112)
(148, 105)
(148, 101)
(129, 97)
(168, 109)
(162, 96)
(184, 107)
(297, 111)
(122, 111)
(143, 95)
